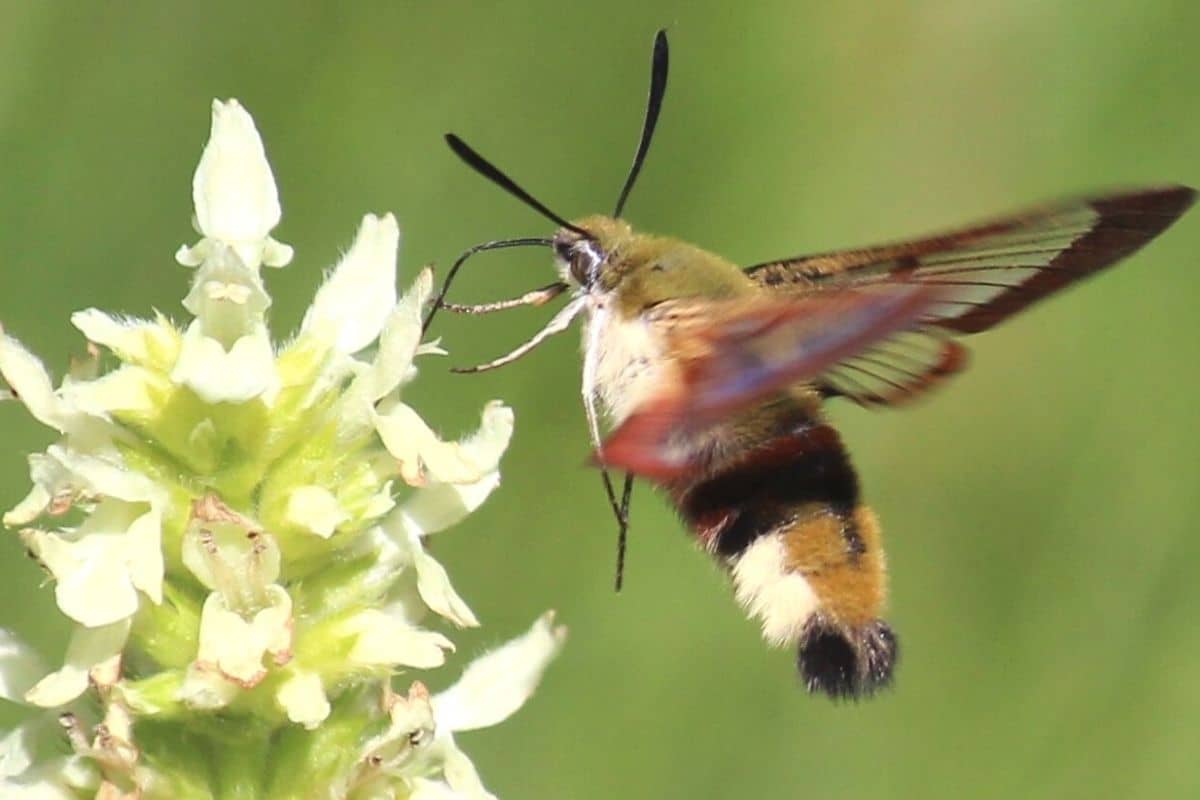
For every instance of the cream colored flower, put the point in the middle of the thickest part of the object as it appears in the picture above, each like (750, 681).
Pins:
(237, 527)
(101, 567)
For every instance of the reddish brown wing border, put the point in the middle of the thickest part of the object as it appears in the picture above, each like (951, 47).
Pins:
(1123, 223)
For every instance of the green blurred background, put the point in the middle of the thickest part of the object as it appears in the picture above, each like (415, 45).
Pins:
(1040, 513)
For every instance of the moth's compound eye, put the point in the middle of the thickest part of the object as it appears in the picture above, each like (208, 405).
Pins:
(562, 249)
(581, 267)
(582, 257)
(586, 261)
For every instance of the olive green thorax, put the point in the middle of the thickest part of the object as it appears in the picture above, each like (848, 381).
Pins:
(642, 270)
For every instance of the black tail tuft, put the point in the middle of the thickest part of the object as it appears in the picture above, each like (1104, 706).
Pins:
(847, 662)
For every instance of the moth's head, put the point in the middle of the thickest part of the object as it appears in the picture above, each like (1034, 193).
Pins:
(582, 250)
(583, 247)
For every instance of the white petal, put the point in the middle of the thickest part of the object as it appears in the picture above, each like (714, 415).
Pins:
(495, 685)
(205, 688)
(384, 639)
(426, 789)
(433, 583)
(379, 503)
(400, 340)
(459, 771)
(140, 341)
(56, 487)
(18, 749)
(89, 648)
(47, 778)
(92, 583)
(437, 507)
(103, 476)
(144, 556)
(423, 457)
(30, 768)
(132, 391)
(243, 373)
(61, 475)
(194, 255)
(51, 479)
(391, 573)
(351, 306)
(115, 552)
(24, 373)
(392, 366)
(276, 254)
(303, 698)
(233, 189)
(77, 772)
(29, 508)
(434, 586)
(315, 509)
(236, 646)
(20, 667)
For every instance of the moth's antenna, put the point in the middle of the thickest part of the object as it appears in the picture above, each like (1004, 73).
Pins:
(659, 62)
(489, 170)
(501, 244)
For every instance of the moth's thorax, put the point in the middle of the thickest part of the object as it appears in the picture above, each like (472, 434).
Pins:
(623, 274)
(623, 358)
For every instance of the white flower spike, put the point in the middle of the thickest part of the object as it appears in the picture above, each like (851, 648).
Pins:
(236, 527)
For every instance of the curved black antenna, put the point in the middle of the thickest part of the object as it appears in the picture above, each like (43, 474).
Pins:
(489, 170)
(659, 62)
(500, 244)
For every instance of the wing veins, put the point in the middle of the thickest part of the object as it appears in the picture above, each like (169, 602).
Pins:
(898, 386)
(953, 270)
(860, 392)
(916, 376)
(912, 360)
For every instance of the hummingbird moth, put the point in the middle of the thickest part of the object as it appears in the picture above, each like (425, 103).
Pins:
(712, 378)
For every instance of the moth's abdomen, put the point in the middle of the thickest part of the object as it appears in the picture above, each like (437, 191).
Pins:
(784, 517)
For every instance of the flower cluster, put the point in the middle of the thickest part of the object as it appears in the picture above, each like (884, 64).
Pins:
(236, 532)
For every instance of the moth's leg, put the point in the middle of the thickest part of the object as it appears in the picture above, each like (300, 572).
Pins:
(623, 530)
(557, 324)
(536, 297)
(619, 508)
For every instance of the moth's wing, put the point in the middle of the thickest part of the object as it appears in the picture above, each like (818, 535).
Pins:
(988, 272)
(896, 370)
(724, 356)
(996, 269)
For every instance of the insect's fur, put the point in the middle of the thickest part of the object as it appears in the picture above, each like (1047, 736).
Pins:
(714, 379)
